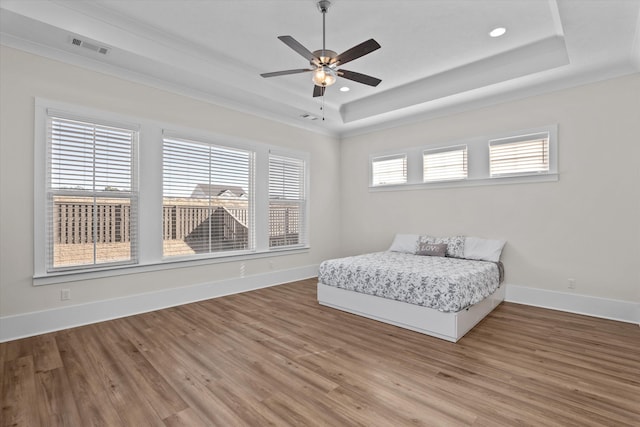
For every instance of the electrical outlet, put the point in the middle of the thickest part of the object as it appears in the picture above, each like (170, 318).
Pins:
(572, 283)
(65, 294)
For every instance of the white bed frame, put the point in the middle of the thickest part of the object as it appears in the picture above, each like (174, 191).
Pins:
(448, 326)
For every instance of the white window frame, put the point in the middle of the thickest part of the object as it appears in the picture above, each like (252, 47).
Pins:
(302, 203)
(478, 171)
(250, 201)
(450, 149)
(149, 155)
(501, 142)
(131, 196)
(387, 157)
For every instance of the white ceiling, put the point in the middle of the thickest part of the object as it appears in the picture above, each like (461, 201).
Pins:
(436, 56)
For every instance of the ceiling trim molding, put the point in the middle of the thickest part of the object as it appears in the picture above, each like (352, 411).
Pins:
(542, 55)
(508, 94)
(135, 77)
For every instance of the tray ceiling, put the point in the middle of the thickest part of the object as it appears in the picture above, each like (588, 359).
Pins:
(436, 57)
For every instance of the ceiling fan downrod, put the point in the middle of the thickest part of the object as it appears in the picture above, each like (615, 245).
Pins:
(323, 7)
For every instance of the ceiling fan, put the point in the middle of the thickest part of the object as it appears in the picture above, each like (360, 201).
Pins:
(325, 62)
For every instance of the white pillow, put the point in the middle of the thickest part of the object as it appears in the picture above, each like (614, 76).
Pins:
(405, 243)
(483, 249)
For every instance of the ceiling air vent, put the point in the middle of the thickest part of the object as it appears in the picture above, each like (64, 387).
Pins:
(94, 47)
(308, 116)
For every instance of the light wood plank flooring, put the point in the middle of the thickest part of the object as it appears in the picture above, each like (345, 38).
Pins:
(276, 357)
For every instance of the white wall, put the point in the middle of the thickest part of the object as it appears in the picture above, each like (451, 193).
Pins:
(586, 226)
(24, 76)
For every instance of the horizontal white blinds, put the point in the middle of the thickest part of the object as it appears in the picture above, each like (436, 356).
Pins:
(287, 201)
(445, 164)
(89, 157)
(389, 170)
(519, 155)
(286, 178)
(206, 198)
(91, 194)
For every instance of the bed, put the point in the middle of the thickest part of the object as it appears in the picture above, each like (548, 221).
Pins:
(443, 295)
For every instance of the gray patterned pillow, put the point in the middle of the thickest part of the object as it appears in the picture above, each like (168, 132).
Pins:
(455, 244)
(432, 249)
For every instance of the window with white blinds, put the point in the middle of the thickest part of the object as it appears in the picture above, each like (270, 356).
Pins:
(444, 164)
(389, 170)
(519, 155)
(287, 201)
(117, 195)
(207, 201)
(91, 194)
(524, 156)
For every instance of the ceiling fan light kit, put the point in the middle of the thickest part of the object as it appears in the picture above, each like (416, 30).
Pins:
(324, 76)
(325, 62)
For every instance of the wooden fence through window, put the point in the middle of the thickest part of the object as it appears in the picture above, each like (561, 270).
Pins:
(74, 222)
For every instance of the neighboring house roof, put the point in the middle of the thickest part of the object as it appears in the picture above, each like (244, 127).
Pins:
(213, 190)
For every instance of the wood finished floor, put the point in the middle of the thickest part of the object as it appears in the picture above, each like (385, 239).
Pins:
(276, 357)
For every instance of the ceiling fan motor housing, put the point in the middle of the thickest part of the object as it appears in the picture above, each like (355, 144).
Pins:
(326, 57)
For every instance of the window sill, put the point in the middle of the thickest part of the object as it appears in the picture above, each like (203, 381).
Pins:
(167, 264)
(547, 177)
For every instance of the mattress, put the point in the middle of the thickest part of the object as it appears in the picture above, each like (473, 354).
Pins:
(442, 283)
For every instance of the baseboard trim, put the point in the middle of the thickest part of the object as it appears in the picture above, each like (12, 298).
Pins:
(40, 322)
(623, 311)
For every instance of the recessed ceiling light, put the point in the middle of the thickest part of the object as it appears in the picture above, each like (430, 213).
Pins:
(497, 32)
(344, 89)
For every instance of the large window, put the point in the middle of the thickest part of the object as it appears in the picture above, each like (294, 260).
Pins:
(117, 195)
(287, 201)
(389, 170)
(444, 164)
(91, 194)
(207, 198)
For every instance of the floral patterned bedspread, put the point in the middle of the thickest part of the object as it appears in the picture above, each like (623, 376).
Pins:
(445, 284)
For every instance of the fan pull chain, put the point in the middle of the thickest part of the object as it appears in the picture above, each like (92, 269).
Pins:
(322, 108)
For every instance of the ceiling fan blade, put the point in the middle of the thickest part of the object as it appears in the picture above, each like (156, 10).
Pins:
(356, 52)
(318, 90)
(285, 72)
(360, 78)
(293, 44)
